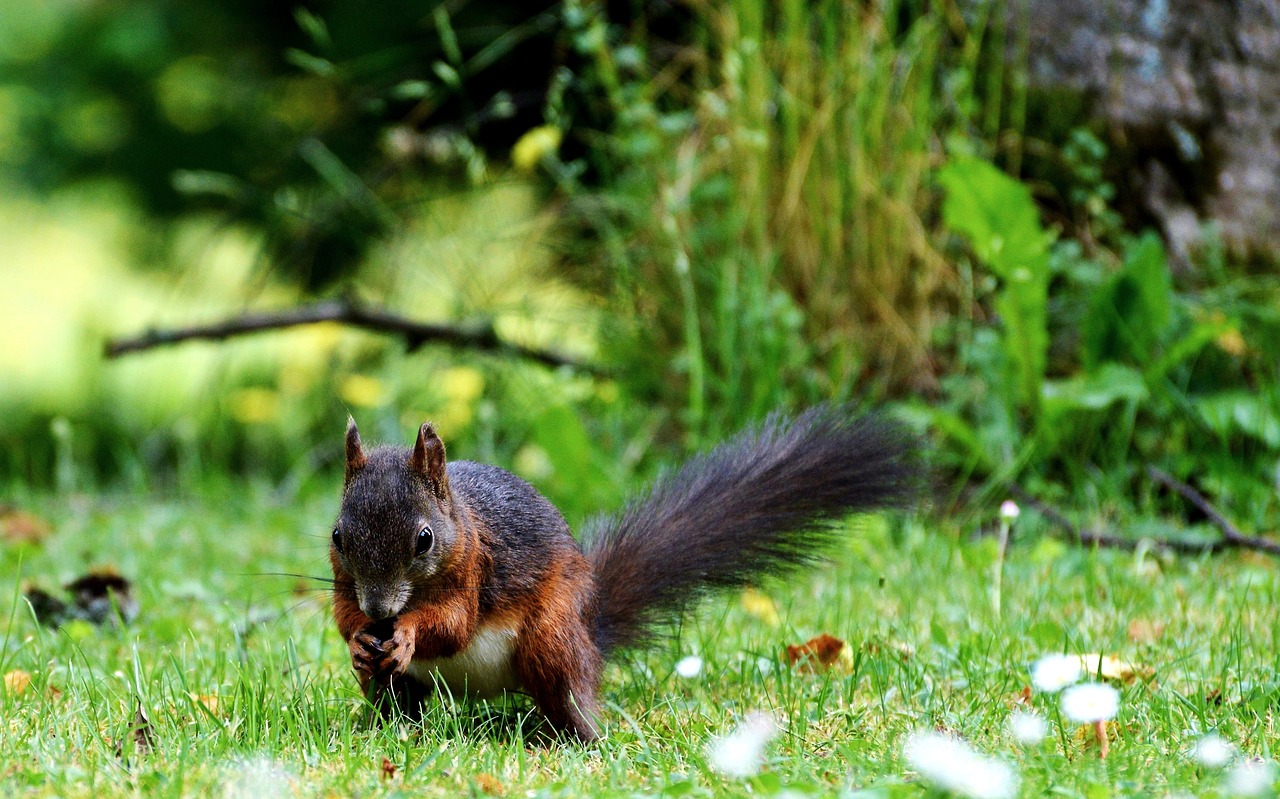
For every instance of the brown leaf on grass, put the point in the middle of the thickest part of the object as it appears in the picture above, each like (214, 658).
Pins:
(16, 682)
(1146, 631)
(209, 703)
(490, 785)
(816, 654)
(1023, 697)
(388, 768)
(1113, 668)
(140, 733)
(20, 527)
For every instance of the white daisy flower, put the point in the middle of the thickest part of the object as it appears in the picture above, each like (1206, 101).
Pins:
(1253, 777)
(1052, 673)
(689, 667)
(1212, 751)
(1027, 728)
(258, 778)
(950, 764)
(1090, 702)
(741, 752)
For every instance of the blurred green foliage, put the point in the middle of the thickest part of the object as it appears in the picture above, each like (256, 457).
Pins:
(1147, 371)
(737, 206)
(311, 122)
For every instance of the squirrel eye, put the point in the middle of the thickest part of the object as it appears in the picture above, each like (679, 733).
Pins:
(425, 539)
(337, 540)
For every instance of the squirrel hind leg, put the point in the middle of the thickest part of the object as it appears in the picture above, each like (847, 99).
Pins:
(559, 667)
(565, 688)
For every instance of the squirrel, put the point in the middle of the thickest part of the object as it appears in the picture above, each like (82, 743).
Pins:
(461, 574)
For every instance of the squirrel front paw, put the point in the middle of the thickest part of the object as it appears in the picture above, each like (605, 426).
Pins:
(380, 657)
(367, 652)
(397, 652)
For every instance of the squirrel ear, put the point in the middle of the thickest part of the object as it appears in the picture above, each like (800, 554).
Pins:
(428, 459)
(355, 452)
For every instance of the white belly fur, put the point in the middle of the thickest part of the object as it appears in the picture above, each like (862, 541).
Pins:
(483, 669)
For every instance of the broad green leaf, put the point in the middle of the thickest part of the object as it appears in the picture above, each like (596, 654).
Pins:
(1094, 391)
(1130, 313)
(1228, 413)
(995, 213)
(1000, 220)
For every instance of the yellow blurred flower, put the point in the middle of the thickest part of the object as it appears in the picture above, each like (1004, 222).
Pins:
(532, 463)
(761, 607)
(535, 145)
(453, 418)
(254, 405)
(1231, 342)
(462, 384)
(362, 391)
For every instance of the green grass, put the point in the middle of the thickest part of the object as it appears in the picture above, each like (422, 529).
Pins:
(912, 600)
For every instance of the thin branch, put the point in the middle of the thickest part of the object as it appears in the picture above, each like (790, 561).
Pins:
(1090, 538)
(1231, 535)
(1232, 538)
(415, 334)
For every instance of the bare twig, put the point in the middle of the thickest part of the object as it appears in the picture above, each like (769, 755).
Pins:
(1232, 538)
(1231, 535)
(1089, 538)
(415, 334)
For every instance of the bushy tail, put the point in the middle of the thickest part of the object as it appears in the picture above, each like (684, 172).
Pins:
(761, 503)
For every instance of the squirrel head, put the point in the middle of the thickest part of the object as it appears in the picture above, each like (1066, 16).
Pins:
(396, 529)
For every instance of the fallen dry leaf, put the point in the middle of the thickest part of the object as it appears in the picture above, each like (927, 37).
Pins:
(761, 607)
(490, 784)
(1146, 631)
(140, 734)
(20, 527)
(388, 768)
(210, 703)
(16, 681)
(817, 653)
(1112, 668)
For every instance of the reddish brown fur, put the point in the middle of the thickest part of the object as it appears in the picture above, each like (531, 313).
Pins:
(754, 506)
(556, 658)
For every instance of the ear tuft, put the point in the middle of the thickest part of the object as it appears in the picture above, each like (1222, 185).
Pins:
(355, 451)
(428, 459)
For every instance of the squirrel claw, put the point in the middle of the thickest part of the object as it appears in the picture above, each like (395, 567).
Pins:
(396, 652)
(366, 653)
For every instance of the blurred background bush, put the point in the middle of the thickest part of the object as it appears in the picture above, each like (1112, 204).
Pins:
(732, 207)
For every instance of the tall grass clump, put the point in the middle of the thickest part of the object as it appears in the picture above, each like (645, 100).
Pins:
(767, 195)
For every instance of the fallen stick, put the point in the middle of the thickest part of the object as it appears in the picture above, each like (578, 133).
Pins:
(1232, 538)
(415, 334)
(1094, 538)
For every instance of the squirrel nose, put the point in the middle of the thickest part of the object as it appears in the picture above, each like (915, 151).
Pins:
(378, 605)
